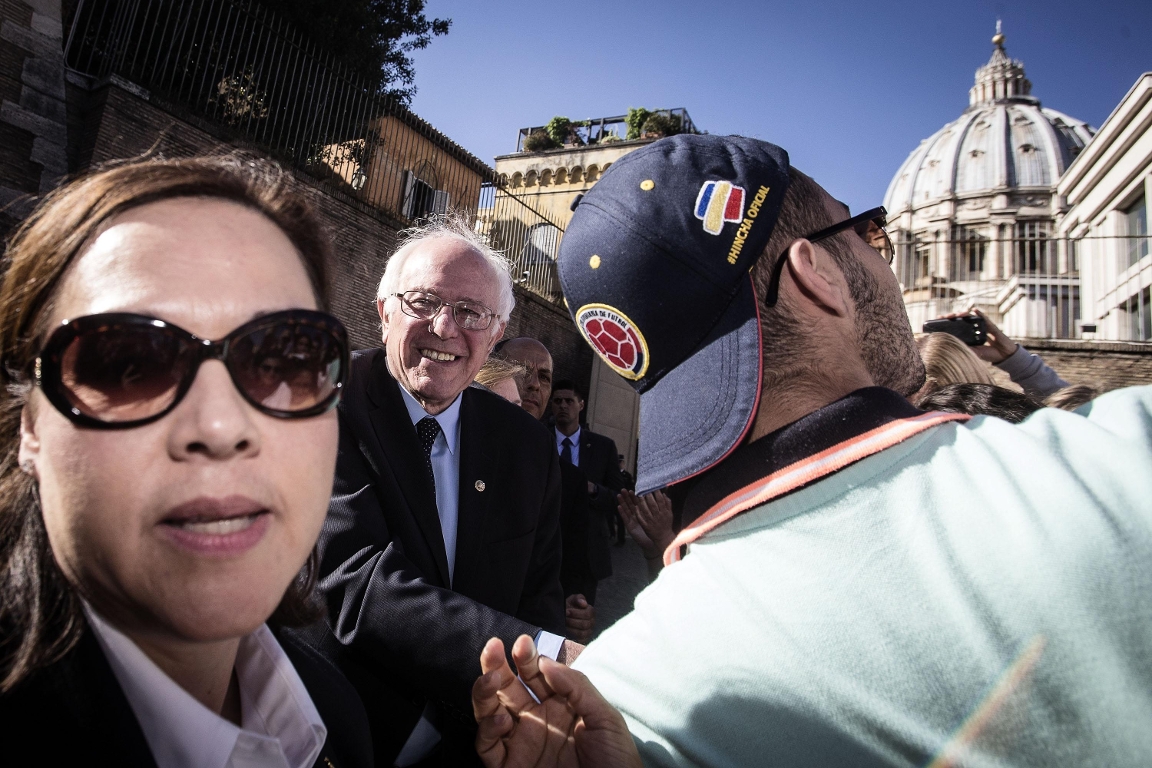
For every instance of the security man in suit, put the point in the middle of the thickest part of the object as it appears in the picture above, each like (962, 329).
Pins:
(443, 528)
(597, 459)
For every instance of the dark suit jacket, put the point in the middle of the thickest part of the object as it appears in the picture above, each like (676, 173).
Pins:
(82, 716)
(401, 632)
(600, 464)
(575, 522)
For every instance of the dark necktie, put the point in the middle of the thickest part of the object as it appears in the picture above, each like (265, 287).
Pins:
(428, 429)
(566, 451)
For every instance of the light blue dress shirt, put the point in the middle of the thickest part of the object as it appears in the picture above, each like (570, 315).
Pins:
(575, 438)
(446, 471)
(445, 468)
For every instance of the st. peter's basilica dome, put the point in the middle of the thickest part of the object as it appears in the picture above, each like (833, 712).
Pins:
(973, 209)
(1004, 140)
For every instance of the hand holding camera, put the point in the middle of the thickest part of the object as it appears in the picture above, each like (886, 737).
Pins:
(987, 341)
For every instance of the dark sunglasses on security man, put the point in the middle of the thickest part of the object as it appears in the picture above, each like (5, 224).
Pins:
(870, 225)
(121, 370)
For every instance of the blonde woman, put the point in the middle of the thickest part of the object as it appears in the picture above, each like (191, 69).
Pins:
(947, 360)
(499, 376)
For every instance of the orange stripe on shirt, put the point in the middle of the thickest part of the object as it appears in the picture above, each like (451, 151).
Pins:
(805, 471)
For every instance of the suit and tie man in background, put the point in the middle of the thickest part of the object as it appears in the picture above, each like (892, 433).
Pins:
(536, 383)
(596, 457)
(535, 388)
(443, 528)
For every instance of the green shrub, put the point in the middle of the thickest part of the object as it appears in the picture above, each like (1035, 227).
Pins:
(635, 121)
(662, 124)
(538, 141)
(563, 131)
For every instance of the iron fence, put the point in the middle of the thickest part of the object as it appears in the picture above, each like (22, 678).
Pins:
(242, 68)
(1032, 284)
(528, 239)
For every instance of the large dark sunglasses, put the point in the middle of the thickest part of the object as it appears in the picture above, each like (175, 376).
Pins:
(120, 370)
(870, 225)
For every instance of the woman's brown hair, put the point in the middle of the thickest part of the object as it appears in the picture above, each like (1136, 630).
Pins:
(40, 614)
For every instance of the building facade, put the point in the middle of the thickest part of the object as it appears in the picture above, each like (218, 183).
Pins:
(1107, 189)
(973, 210)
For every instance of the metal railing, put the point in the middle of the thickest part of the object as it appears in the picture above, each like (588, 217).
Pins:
(239, 66)
(1032, 285)
(527, 238)
(599, 130)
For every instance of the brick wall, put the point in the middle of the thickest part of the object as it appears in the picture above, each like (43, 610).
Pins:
(120, 124)
(1105, 365)
(32, 105)
(117, 120)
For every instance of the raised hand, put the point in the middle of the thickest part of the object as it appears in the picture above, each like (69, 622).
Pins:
(521, 723)
(551, 716)
(997, 348)
(649, 520)
(579, 618)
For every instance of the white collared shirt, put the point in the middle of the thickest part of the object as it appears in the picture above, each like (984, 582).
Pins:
(279, 724)
(445, 469)
(575, 438)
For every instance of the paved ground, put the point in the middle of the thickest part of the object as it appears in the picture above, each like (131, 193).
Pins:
(615, 594)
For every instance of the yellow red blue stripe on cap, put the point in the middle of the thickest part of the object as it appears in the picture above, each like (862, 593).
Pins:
(717, 203)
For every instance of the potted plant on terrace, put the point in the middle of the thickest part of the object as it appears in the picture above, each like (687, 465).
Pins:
(659, 125)
(538, 141)
(565, 132)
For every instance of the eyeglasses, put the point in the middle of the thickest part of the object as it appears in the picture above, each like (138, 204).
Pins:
(869, 225)
(121, 370)
(469, 315)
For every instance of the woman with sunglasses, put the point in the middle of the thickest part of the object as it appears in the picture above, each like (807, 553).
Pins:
(167, 446)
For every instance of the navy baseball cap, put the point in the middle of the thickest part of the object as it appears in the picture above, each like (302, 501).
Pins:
(655, 270)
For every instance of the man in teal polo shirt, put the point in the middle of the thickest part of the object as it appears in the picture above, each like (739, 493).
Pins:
(864, 583)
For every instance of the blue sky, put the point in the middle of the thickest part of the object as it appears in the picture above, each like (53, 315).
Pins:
(849, 89)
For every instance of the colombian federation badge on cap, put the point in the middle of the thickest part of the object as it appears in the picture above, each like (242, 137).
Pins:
(616, 338)
(717, 203)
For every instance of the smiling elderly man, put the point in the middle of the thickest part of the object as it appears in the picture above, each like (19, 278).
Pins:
(443, 528)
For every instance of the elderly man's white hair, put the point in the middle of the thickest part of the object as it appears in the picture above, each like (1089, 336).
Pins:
(456, 227)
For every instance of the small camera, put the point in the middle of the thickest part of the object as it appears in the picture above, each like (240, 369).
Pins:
(971, 329)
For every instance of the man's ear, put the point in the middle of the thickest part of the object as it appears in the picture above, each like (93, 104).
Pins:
(29, 440)
(383, 318)
(818, 277)
(497, 335)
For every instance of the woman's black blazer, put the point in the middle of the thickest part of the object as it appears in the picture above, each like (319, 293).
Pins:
(74, 713)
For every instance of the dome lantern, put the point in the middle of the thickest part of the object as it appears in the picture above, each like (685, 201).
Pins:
(1001, 78)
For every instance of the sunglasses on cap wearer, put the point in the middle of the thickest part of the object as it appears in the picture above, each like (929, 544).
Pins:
(121, 370)
(870, 225)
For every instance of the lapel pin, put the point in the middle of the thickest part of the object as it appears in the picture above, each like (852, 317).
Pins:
(480, 485)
